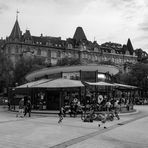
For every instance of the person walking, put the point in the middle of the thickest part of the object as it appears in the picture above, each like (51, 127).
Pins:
(61, 114)
(8, 105)
(117, 108)
(21, 108)
(28, 108)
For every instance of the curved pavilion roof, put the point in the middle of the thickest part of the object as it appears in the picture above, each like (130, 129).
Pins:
(112, 70)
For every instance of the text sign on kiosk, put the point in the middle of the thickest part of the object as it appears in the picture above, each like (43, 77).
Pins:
(101, 76)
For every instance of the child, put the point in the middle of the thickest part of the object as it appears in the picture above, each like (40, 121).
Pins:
(61, 114)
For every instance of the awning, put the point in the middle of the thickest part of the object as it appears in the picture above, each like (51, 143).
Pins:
(100, 84)
(124, 86)
(32, 84)
(60, 83)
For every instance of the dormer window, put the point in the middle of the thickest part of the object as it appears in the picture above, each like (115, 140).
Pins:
(95, 49)
(127, 52)
(69, 46)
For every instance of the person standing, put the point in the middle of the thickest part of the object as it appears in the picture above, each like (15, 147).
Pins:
(108, 106)
(21, 108)
(99, 101)
(117, 108)
(28, 108)
(8, 105)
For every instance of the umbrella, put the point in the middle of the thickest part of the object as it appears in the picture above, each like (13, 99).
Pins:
(124, 86)
(60, 83)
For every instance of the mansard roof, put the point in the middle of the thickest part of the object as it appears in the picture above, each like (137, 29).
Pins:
(16, 32)
(43, 40)
(112, 45)
(38, 39)
(79, 34)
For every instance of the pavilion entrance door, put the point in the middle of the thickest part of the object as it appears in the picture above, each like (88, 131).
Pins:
(53, 100)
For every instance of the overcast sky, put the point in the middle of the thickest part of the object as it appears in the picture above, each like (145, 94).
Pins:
(102, 20)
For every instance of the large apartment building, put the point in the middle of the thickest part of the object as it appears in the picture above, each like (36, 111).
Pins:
(52, 49)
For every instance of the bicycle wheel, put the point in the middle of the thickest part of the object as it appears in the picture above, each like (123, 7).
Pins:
(94, 116)
(110, 116)
(100, 116)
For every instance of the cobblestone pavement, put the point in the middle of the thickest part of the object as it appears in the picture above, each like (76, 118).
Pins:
(45, 132)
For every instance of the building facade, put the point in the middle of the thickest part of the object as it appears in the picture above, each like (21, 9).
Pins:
(52, 49)
(104, 59)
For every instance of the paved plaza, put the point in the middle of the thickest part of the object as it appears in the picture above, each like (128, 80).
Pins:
(43, 131)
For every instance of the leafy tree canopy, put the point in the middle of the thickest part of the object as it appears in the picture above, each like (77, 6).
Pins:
(6, 72)
(25, 66)
(138, 76)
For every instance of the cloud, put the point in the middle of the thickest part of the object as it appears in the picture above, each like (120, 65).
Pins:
(144, 28)
(107, 20)
(3, 7)
(144, 24)
(140, 38)
(69, 7)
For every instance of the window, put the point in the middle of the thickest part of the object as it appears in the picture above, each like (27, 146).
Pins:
(53, 54)
(9, 50)
(39, 51)
(58, 54)
(69, 46)
(16, 50)
(49, 53)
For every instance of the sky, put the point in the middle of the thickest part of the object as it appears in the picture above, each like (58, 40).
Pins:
(101, 20)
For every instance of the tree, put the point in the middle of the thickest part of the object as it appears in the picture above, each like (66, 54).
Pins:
(6, 72)
(138, 76)
(141, 55)
(25, 66)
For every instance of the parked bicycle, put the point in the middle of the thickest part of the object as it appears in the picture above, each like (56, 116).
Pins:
(99, 116)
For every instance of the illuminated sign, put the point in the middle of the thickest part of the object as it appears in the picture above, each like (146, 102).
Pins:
(101, 76)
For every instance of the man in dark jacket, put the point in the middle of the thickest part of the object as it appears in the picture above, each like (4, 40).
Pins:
(28, 108)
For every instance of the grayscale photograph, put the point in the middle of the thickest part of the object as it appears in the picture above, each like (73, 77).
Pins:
(73, 73)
